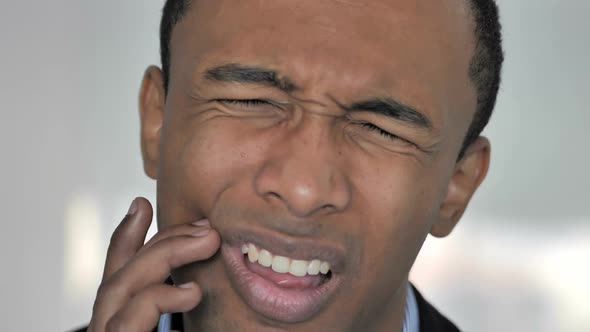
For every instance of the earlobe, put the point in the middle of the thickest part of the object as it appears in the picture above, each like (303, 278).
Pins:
(469, 173)
(152, 99)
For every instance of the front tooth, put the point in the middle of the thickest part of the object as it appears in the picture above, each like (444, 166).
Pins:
(324, 267)
(252, 253)
(298, 268)
(244, 248)
(264, 258)
(314, 267)
(280, 264)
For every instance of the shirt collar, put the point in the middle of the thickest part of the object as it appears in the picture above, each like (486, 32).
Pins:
(412, 317)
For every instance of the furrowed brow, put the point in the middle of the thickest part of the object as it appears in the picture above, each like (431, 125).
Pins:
(393, 109)
(251, 75)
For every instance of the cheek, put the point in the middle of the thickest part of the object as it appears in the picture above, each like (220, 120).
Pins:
(398, 194)
(202, 160)
(390, 217)
(395, 232)
(399, 205)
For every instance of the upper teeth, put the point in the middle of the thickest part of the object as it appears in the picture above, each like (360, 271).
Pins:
(281, 264)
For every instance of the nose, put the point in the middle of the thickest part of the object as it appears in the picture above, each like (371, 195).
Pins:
(303, 172)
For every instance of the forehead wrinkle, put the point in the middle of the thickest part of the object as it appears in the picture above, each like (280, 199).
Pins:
(308, 101)
(352, 3)
(312, 106)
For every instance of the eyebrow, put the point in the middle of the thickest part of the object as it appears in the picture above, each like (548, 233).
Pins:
(247, 74)
(392, 108)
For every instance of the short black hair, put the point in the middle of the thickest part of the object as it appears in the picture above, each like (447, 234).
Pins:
(484, 70)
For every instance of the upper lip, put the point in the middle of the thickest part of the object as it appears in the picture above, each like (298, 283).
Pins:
(288, 246)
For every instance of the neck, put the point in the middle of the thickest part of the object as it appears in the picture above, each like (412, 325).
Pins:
(388, 315)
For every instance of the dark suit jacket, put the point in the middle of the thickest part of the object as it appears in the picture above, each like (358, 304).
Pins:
(430, 319)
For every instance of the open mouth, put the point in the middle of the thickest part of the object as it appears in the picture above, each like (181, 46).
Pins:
(284, 271)
(285, 289)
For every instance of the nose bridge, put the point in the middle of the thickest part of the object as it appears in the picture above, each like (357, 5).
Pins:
(304, 171)
(312, 137)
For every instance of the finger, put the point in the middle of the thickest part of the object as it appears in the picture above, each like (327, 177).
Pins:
(129, 236)
(184, 229)
(155, 264)
(143, 311)
(150, 267)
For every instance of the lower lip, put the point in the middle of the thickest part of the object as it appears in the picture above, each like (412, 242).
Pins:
(288, 305)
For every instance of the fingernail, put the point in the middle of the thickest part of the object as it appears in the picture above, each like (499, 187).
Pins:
(188, 285)
(201, 232)
(202, 222)
(132, 208)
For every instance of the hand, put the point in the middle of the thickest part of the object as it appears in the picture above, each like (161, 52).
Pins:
(132, 295)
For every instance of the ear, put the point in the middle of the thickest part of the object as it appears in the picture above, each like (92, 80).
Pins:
(152, 99)
(467, 176)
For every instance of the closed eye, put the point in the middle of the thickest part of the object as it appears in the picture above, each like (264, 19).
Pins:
(371, 127)
(245, 102)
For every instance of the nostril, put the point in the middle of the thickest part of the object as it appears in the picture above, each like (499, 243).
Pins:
(328, 208)
(275, 195)
(272, 196)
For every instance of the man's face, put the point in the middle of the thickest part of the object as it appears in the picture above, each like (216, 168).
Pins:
(323, 130)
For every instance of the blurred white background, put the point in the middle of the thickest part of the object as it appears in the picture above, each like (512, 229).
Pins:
(70, 71)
